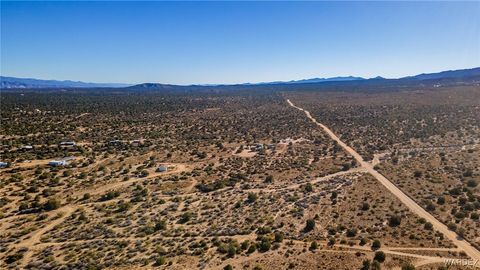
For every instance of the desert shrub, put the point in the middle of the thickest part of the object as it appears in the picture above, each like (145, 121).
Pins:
(264, 245)
(160, 260)
(110, 195)
(185, 217)
(394, 221)
(51, 204)
(379, 256)
(472, 183)
(376, 244)
(310, 225)
(160, 225)
(351, 232)
(331, 242)
(269, 179)
(365, 206)
(363, 241)
(365, 265)
(252, 197)
(408, 266)
(428, 226)
(278, 237)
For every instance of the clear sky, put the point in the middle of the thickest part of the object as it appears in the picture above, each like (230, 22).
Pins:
(235, 42)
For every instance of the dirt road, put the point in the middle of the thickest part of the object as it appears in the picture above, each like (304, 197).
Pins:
(179, 168)
(34, 238)
(411, 204)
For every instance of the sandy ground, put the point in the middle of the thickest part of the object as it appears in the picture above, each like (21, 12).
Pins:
(411, 204)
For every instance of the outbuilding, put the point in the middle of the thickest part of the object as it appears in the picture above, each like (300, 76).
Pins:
(27, 147)
(136, 143)
(57, 163)
(162, 168)
(67, 143)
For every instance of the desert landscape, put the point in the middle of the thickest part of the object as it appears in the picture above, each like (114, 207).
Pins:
(246, 179)
(239, 135)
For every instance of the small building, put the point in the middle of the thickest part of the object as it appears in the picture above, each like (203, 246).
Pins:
(136, 143)
(3, 164)
(162, 168)
(27, 147)
(67, 143)
(57, 163)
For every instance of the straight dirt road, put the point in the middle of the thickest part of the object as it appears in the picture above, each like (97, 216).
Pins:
(411, 204)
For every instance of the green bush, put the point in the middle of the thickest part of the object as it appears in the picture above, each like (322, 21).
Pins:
(310, 225)
(379, 256)
(376, 245)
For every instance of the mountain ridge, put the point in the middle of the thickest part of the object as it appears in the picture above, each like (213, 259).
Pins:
(23, 83)
(14, 82)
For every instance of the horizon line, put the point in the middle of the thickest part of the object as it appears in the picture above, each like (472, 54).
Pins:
(240, 83)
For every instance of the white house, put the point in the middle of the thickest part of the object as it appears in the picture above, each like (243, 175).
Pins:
(67, 143)
(27, 147)
(57, 163)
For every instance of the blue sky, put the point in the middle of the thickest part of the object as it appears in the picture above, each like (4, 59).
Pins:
(235, 42)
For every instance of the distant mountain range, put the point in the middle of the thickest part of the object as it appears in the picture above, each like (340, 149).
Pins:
(460, 73)
(471, 74)
(316, 80)
(13, 83)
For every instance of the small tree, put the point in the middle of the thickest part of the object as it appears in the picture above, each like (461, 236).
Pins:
(376, 244)
(352, 232)
(231, 251)
(86, 196)
(379, 256)
(428, 226)
(441, 200)
(252, 197)
(269, 179)
(310, 225)
(365, 265)
(185, 217)
(472, 183)
(313, 246)
(331, 242)
(363, 241)
(394, 221)
(365, 206)
(279, 237)
(160, 225)
(51, 204)
(308, 187)
(264, 245)
(160, 261)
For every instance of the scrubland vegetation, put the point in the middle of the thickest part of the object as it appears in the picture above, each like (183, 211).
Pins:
(247, 182)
